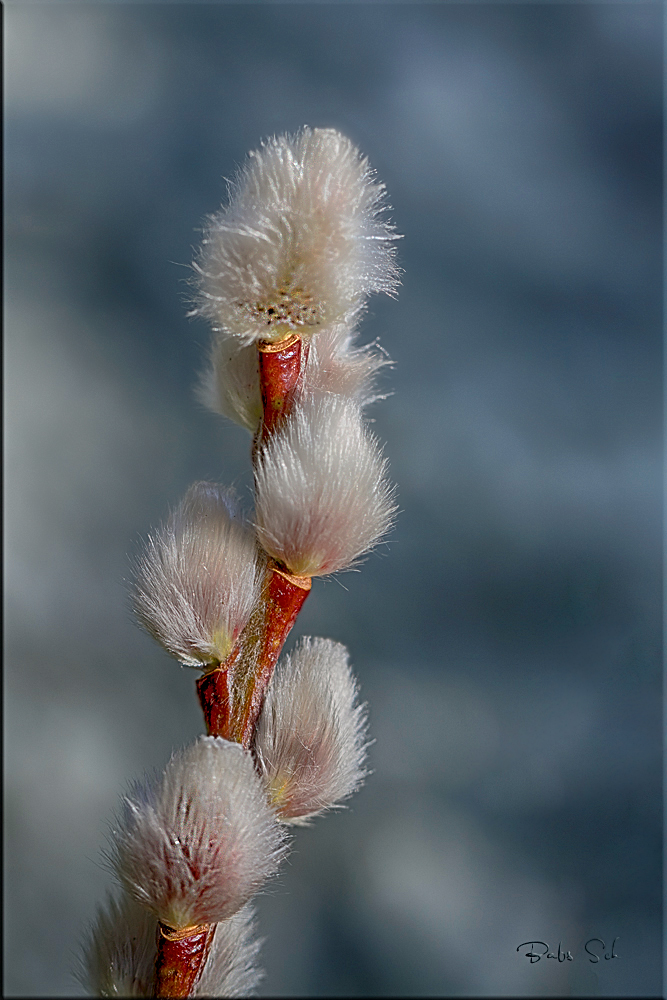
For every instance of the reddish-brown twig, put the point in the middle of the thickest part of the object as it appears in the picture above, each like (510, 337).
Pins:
(232, 693)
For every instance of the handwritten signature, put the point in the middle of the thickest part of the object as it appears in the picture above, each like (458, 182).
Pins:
(592, 946)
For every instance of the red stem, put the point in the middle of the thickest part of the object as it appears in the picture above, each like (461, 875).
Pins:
(284, 597)
(232, 700)
(279, 370)
(181, 957)
(213, 691)
(215, 695)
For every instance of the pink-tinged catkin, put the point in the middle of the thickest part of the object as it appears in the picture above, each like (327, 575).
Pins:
(301, 243)
(199, 578)
(310, 742)
(322, 499)
(194, 846)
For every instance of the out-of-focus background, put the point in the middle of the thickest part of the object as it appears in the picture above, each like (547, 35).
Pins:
(508, 638)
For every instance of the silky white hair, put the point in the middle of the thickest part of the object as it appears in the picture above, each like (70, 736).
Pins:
(120, 949)
(322, 499)
(118, 954)
(336, 365)
(199, 577)
(231, 968)
(310, 740)
(195, 845)
(229, 385)
(301, 243)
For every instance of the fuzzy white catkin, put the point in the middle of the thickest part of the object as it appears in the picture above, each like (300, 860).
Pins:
(301, 243)
(121, 947)
(198, 578)
(118, 955)
(336, 365)
(194, 846)
(310, 740)
(230, 384)
(322, 499)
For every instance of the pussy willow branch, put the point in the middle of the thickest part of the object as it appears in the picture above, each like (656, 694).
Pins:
(282, 274)
(231, 704)
(232, 693)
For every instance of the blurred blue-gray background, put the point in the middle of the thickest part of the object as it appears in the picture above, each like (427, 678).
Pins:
(508, 638)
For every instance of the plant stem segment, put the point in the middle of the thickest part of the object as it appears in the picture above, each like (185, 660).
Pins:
(232, 693)
(214, 698)
(181, 957)
(279, 370)
(284, 599)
